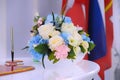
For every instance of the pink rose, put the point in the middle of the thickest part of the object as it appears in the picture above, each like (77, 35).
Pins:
(61, 52)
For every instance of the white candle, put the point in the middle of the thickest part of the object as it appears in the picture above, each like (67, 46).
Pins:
(12, 40)
(12, 45)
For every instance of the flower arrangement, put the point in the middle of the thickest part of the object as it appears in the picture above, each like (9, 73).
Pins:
(58, 38)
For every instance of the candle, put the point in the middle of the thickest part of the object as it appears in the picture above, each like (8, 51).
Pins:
(12, 44)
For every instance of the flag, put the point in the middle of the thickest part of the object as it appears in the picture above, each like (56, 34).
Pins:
(96, 31)
(103, 60)
(97, 34)
(109, 31)
(76, 12)
(64, 4)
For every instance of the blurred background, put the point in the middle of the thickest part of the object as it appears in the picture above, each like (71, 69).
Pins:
(19, 14)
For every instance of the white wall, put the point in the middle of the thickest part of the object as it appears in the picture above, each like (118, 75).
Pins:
(19, 14)
(3, 41)
(115, 75)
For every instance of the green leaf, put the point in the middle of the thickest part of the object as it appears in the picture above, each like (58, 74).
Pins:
(26, 47)
(87, 34)
(71, 54)
(80, 31)
(82, 48)
(51, 56)
(36, 18)
(62, 22)
(55, 61)
(53, 19)
(91, 46)
(35, 27)
(42, 48)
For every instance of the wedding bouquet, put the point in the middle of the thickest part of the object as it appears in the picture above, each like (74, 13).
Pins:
(58, 38)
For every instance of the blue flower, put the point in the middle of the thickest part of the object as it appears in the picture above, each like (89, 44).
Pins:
(68, 20)
(49, 18)
(65, 37)
(85, 38)
(36, 56)
(37, 39)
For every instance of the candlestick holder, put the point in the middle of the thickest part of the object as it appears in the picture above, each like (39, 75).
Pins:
(14, 63)
(12, 66)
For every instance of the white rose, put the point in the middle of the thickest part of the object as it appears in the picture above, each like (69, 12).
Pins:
(55, 41)
(75, 39)
(68, 27)
(72, 41)
(46, 30)
(55, 33)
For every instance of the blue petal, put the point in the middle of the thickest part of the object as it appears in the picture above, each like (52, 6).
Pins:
(65, 37)
(35, 40)
(85, 38)
(35, 55)
(68, 20)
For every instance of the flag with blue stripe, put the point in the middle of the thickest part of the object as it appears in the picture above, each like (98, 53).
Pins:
(96, 31)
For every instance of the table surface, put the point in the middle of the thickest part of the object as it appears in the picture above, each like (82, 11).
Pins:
(63, 70)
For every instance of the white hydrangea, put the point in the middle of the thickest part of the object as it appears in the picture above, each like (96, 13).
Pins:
(46, 30)
(55, 41)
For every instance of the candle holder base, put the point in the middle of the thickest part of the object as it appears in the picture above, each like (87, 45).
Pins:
(14, 63)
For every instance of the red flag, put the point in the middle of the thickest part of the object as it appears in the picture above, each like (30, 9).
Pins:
(64, 4)
(109, 30)
(77, 13)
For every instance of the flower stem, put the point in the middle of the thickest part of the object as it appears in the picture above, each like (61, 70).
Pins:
(43, 61)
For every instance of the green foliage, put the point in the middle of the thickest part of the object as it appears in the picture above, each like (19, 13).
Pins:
(52, 57)
(82, 48)
(42, 48)
(36, 18)
(91, 46)
(26, 47)
(55, 61)
(35, 27)
(80, 31)
(71, 54)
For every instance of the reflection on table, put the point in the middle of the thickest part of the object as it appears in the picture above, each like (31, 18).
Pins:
(63, 70)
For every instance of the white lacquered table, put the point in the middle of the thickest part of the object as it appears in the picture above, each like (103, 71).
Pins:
(67, 70)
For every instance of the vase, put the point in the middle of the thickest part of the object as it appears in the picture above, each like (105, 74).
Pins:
(63, 62)
(79, 57)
